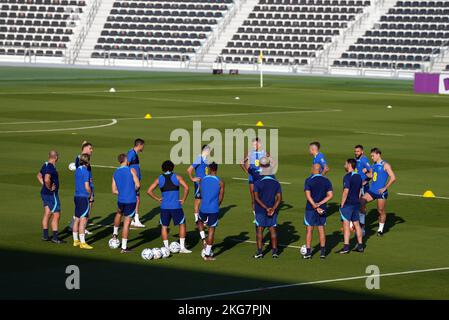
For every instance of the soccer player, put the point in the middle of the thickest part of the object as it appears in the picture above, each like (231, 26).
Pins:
(318, 191)
(251, 166)
(212, 196)
(350, 205)
(200, 167)
(363, 168)
(49, 179)
(382, 179)
(83, 194)
(86, 148)
(318, 157)
(268, 197)
(125, 184)
(134, 164)
(171, 204)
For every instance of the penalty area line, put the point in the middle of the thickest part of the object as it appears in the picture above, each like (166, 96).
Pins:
(300, 284)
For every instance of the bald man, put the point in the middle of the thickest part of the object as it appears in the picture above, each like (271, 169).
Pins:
(49, 179)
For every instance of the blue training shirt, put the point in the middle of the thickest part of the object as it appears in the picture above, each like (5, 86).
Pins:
(319, 186)
(210, 187)
(48, 168)
(353, 182)
(362, 163)
(380, 177)
(89, 168)
(125, 184)
(81, 177)
(267, 188)
(200, 166)
(134, 163)
(169, 185)
(319, 159)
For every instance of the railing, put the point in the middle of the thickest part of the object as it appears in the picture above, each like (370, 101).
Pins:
(437, 57)
(85, 27)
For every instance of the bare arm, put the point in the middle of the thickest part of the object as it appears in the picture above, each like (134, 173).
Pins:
(325, 170)
(185, 187)
(344, 196)
(39, 178)
(221, 194)
(329, 195)
(190, 173)
(114, 187)
(150, 191)
(392, 176)
(244, 164)
(276, 204)
(47, 182)
(136, 179)
(309, 199)
(88, 189)
(256, 197)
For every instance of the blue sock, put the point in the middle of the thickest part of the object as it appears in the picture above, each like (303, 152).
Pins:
(346, 247)
(45, 233)
(323, 251)
(55, 234)
(259, 251)
(309, 250)
(274, 251)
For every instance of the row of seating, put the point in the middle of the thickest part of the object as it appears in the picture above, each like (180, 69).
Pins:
(377, 65)
(139, 56)
(39, 53)
(140, 48)
(47, 2)
(165, 35)
(168, 6)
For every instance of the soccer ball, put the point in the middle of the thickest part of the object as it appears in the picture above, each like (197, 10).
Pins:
(203, 253)
(72, 166)
(174, 247)
(147, 254)
(303, 250)
(157, 253)
(165, 252)
(114, 243)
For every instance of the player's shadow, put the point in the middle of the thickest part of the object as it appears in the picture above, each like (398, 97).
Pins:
(286, 234)
(285, 206)
(332, 241)
(150, 215)
(372, 223)
(224, 210)
(230, 242)
(332, 207)
(145, 236)
(102, 229)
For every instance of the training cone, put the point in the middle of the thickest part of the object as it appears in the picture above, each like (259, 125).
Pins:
(148, 116)
(259, 124)
(428, 194)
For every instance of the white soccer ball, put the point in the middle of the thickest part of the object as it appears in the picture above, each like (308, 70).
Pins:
(157, 253)
(203, 253)
(165, 252)
(303, 250)
(147, 254)
(175, 247)
(112, 90)
(237, 98)
(389, 107)
(72, 166)
(114, 243)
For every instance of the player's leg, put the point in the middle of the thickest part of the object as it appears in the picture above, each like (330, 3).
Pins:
(180, 219)
(366, 198)
(381, 205)
(117, 221)
(309, 233)
(202, 219)
(75, 231)
(54, 226)
(345, 216)
(209, 243)
(259, 239)
(322, 234)
(125, 234)
(359, 235)
(45, 221)
(196, 209)
(274, 242)
(136, 221)
(82, 233)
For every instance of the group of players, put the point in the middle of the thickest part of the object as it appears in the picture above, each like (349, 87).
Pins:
(362, 183)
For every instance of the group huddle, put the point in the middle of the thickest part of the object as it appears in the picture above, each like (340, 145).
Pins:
(362, 183)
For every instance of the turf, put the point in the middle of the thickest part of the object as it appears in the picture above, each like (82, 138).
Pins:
(417, 148)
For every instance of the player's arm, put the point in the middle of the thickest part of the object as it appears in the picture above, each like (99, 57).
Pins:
(88, 189)
(190, 170)
(221, 194)
(277, 203)
(47, 182)
(344, 196)
(368, 171)
(114, 187)
(325, 169)
(185, 187)
(310, 199)
(392, 177)
(244, 163)
(151, 188)
(256, 197)
(136, 179)
(39, 178)
(329, 195)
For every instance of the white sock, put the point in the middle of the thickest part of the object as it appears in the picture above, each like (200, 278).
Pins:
(75, 236)
(182, 242)
(202, 235)
(208, 249)
(82, 238)
(381, 227)
(115, 231)
(362, 218)
(165, 243)
(136, 217)
(124, 243)
(196, 216)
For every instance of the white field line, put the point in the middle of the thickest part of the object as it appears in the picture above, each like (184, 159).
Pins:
(174, 117)
(254, 125)
(440, 116)
(254, 242)
(300, 284)
(111, 225)
(243, 179)
(420, 196)
(113, 122)
(381, 133)
(125, 91)
(101, 166)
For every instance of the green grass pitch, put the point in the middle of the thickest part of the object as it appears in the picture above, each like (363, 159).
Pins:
(413, 140)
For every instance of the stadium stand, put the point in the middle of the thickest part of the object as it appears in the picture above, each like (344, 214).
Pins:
(162, 30)
(410, 36)
(35, 29)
